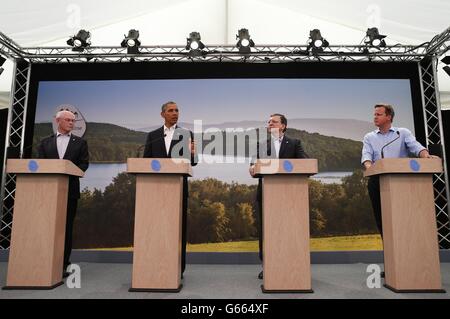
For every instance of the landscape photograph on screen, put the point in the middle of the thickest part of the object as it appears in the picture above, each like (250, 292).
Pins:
(329, 116)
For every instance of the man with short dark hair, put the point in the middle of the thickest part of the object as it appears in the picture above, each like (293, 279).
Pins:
(162, 143)
(373, 150)
(278, 145)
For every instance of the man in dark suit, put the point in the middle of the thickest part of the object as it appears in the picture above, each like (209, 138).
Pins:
(277, 145)
(172, 141)
(65, 145)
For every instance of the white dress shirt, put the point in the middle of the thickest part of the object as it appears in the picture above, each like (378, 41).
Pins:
(168, 132)
(62, 141)
(277, 143)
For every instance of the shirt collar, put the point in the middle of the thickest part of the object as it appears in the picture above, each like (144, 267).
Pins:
(172, 128)
(391, 129)
(279, 138)
(59, 134)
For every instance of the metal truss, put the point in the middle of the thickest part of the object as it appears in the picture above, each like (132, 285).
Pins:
(440, 44)
(9, 48)
(263, 54)
(214, 53)
(435, 136)
(15, 138)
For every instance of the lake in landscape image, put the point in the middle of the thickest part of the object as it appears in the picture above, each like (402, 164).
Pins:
(226, 169)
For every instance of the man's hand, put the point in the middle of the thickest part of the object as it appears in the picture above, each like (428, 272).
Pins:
(192, 146)
(426, 154)
(367, 164)
(252, 170)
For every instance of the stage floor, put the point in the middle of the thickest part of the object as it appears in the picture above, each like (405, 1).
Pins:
(111, 281)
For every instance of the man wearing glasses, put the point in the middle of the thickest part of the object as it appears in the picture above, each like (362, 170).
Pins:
(65, 145)
(277, 145)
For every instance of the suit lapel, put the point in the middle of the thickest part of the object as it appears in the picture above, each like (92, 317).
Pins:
(70, 146)
(161, 142)
(53, 151)
(283, 147)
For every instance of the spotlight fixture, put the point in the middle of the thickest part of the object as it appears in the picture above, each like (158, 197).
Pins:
(131, 42)
(374, 38)
(2, 60)
(446, 68)
(316, 41)
(195, 45)
(80, 41)
(245, 42)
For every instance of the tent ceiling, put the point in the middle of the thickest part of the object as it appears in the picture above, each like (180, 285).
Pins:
(168, 22)
(44, 21)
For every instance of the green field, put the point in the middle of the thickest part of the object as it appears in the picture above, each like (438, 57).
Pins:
(362, 242)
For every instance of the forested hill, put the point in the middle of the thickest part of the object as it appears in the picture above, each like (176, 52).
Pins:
(113, 143)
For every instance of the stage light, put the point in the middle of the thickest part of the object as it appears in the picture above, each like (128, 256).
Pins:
(131, 42)
(245, 42)
(374, 38)
(446, 68)
(316, 41)
(80, 41)
(194, 44)
(2, 60)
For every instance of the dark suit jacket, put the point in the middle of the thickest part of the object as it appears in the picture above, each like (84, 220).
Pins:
(77, 152)
(155, 145)
(290, 148)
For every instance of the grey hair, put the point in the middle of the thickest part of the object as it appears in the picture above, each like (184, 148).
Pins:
(60, 113)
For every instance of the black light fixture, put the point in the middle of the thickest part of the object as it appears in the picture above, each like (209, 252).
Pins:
(316, 41)
(2, 60)
(245, 42)
(195, 45)
(80, 41)
(131, 42)
(446, 68)
(374, 38)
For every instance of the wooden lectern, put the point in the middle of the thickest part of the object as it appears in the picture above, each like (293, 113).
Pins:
(411, 252)
(36, 253)
(286, 244)
(157, 230)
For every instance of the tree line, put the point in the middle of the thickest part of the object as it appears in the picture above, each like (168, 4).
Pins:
(220, 212)
(113, 143)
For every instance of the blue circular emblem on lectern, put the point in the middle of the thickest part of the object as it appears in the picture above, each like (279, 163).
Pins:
(415, 166)
(33, 166)
(156, 165)
(288, 167)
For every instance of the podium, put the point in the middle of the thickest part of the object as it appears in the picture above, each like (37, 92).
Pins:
(411, 252)
(36, 253)
(158, 221)
(286, 244)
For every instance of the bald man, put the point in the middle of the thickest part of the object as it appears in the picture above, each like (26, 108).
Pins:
(65, 145)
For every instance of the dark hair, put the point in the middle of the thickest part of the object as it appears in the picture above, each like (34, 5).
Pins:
(388, 109)
(163, 107)
(282, 118)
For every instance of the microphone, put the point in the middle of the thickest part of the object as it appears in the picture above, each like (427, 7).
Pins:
(382, 149)
(146, 144)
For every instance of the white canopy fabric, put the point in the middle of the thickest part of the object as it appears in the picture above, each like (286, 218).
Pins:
(168, 22)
